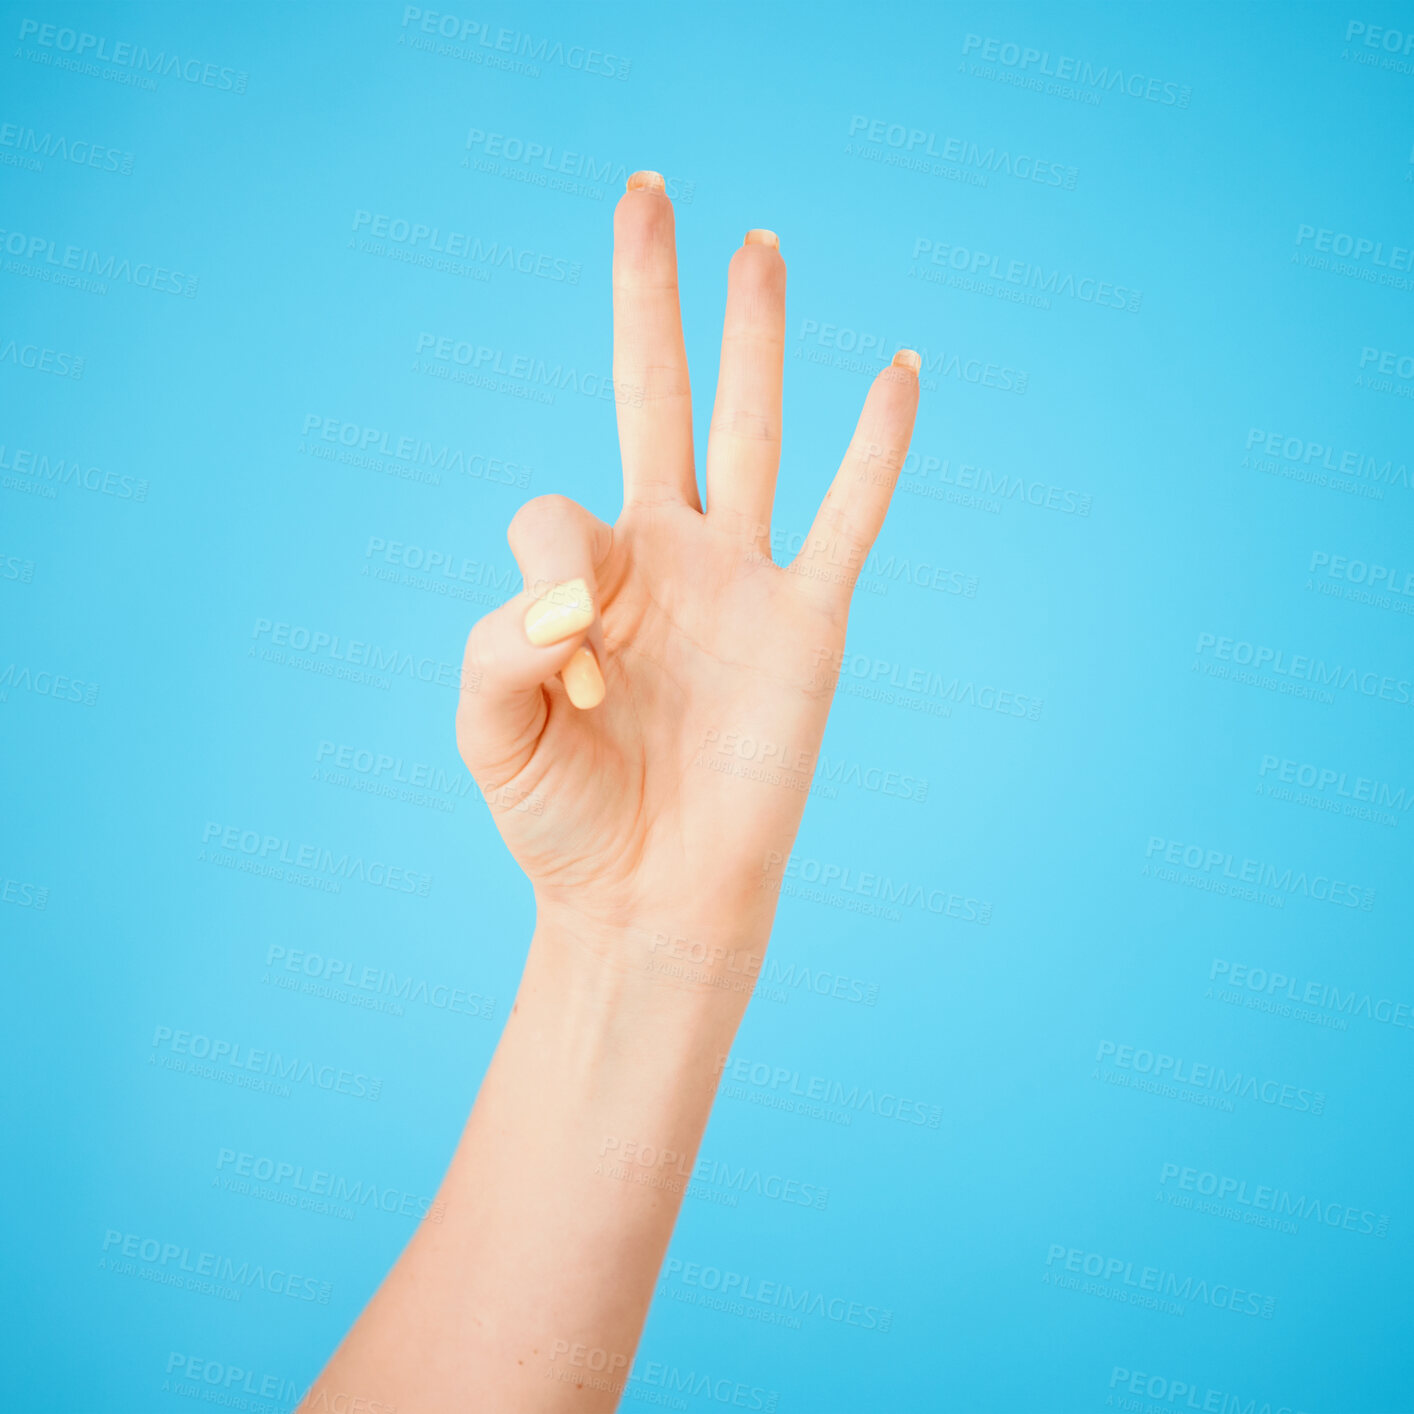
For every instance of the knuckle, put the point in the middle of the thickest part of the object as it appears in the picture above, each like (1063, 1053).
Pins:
(480, 646)
(746, 425)
(537, 515)
(479, 662)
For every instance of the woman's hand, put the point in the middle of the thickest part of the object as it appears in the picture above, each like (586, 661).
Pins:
(601, 712)
(606, 710)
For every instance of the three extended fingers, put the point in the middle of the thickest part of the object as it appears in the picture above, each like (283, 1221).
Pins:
(744, 448)
(552, 627)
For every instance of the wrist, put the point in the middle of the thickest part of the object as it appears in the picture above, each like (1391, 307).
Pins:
(639, 1050)
(647, 967)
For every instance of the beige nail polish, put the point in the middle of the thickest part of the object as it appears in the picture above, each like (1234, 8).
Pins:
(562, 611)
(761, 236)
(582, 679)
(906, 358)
(648, 181)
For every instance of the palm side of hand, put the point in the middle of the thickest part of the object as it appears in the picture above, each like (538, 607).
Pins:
(697, 763)
(674, 797)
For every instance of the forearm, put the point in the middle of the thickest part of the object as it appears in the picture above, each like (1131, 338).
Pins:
(658, 685)
(550, 1242)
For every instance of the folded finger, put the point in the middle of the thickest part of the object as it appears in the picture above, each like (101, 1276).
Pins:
(551, 628)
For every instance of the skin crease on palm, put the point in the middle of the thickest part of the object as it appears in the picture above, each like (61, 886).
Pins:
(597, 711)
(700, 635)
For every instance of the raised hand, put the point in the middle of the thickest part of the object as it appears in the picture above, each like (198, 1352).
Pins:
(605, 709)
(600, 712)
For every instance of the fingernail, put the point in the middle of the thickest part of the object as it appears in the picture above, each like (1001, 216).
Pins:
(562, 611)
(648, 181)
(582, 679)
(763, 237)
(906, 358)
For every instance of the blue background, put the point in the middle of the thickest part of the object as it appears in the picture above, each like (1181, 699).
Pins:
(1130, 520)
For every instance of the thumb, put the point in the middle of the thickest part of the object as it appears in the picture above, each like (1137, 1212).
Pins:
(551, 627)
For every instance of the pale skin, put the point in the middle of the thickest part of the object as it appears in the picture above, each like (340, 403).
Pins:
(655, 848)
